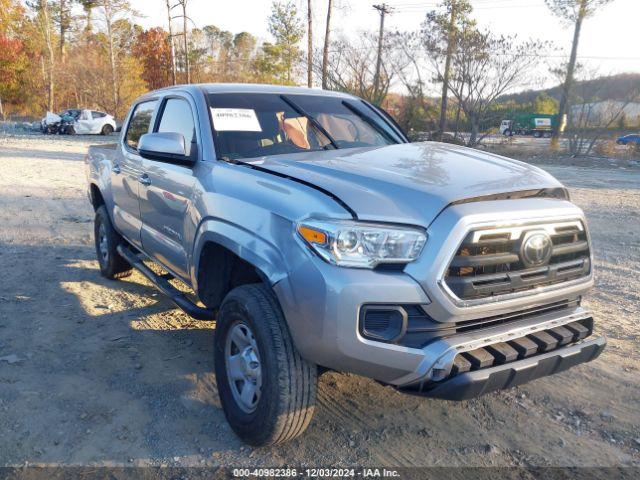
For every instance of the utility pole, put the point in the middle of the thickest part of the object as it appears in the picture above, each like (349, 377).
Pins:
(383, 9)
(447, 68)
(187, 68)
(309, 45)
(171, 45)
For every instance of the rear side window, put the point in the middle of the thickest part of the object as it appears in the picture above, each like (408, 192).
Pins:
(177, 118)
(140, 123)
(98, 114)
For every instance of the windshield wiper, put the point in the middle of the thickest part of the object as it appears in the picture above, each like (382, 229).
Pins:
(370, 122)
(313, 121)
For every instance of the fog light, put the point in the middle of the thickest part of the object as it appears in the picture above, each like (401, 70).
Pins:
(384, 323)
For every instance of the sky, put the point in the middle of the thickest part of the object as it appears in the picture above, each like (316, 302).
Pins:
(609, 41)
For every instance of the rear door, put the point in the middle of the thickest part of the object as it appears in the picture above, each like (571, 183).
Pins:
(99, 119)
(127, 171)
(166, 195)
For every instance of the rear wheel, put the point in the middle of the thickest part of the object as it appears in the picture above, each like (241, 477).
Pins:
(107, 130)
(266, 388)
(537, 134)
(112, 265)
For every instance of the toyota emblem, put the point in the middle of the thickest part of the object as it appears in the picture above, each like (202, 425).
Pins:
(536, 249)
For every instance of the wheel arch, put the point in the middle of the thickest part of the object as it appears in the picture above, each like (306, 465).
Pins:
(95, 196)
(231, 256)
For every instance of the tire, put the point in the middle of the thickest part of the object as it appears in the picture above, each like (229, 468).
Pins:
(70, 130)
(284, 384)
(112, 265)
(537, 135)
(508, 133)
(106, 130)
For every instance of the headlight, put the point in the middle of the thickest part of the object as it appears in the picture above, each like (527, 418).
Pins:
(362, 245)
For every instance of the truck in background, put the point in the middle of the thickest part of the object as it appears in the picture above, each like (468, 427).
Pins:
(536, 124)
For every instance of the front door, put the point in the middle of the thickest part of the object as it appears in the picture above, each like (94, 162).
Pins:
(126, 173)
(85, 123)
(166, 193)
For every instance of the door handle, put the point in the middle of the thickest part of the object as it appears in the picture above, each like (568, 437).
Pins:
(116, 169)
(144, 180)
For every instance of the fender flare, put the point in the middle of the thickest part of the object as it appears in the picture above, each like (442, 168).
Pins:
(264, 256)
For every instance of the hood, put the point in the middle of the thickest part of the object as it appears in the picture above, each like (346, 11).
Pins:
(408, 183)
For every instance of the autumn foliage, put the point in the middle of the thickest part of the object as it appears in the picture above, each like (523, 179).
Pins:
(58, 54)
(154, 52)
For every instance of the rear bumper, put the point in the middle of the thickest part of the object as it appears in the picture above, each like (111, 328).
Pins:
(473, 384)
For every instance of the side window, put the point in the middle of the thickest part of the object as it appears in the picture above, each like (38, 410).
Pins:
(98, 114)
(177, 118)
(140, 123)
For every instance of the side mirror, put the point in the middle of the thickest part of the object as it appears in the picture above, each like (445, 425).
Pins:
(164, 146)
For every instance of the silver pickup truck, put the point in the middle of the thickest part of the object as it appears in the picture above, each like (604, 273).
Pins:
(318, 238)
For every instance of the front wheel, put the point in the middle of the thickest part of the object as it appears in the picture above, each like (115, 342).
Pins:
(266, 388)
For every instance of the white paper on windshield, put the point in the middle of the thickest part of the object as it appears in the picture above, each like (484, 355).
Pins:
(235, 119)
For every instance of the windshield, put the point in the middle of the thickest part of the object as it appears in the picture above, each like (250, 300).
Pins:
(249, 125)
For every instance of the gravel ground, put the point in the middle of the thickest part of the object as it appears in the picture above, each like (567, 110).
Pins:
(94, 372)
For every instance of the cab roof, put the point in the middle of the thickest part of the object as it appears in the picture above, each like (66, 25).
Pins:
(208, 88)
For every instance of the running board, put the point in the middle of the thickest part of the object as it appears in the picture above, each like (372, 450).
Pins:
(176, 296)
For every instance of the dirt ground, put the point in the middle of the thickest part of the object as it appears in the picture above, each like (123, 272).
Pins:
(95, 372)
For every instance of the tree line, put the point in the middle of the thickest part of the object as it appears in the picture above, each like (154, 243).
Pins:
(57, 54)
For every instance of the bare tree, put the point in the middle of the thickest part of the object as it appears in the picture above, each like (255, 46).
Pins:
(171, 43)
(309, 44)
(455, 9)
(64, 23)
(185, 45)
(412, 70)
(325, 50)
(113, 11)
(485, 67)
(351, 67)
(45, 25)
(441, 31)
(574, 12)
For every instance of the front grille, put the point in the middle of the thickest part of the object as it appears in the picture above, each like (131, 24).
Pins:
(490, 261)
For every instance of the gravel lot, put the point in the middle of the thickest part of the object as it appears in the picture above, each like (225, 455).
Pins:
(94, 372)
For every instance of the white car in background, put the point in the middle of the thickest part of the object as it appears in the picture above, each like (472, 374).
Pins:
(83, 122)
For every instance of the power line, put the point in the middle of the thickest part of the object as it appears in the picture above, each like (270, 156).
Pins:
(507, 54)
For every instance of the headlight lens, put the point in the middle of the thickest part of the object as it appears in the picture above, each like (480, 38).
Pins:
(362, 245)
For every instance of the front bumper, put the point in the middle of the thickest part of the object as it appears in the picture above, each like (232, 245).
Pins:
(322, 302)
(324, 326)
(473, 384)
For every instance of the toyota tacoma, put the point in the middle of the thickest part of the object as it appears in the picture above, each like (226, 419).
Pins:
(317, 237)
